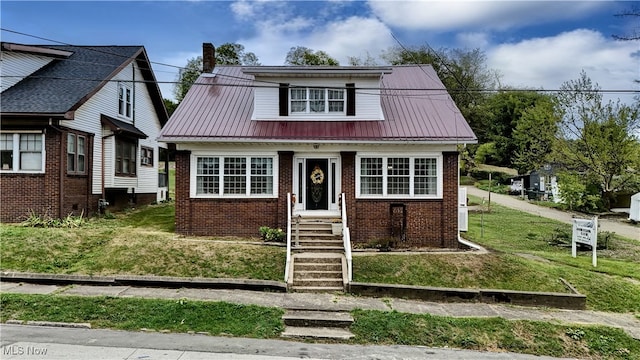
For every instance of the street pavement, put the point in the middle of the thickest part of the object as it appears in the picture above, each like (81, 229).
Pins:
(612, 225)
(21, 342)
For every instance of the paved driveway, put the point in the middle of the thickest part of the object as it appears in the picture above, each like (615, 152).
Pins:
(619, 227)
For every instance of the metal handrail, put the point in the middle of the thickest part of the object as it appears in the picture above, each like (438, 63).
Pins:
(346, 238)
(288, 263)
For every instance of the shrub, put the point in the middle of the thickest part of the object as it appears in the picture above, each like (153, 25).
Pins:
(271, 234)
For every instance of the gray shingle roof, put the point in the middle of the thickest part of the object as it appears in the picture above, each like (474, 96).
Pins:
(65, 84)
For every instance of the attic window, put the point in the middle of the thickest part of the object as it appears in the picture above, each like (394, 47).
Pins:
(316, 100)
(124, 100)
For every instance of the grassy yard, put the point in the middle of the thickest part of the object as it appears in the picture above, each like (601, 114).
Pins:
(139, 242)
(370, 327)
(143, 242)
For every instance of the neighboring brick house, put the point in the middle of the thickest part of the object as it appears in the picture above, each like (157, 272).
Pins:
(385, 137)
(78, 124)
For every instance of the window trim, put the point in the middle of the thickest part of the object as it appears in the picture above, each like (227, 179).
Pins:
(325, 98)
(125, 100)
(411, 156)
(221, 175)
(134, 158)
(77, 154)
(149, 151)
(16, 165)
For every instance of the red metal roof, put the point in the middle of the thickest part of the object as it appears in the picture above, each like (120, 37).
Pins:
(414, 102)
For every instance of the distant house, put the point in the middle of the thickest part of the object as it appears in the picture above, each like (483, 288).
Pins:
(78, 127)
(380, 142)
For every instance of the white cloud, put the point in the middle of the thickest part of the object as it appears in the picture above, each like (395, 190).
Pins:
(457, 15)
(473, 40)
(354, 36)
(550, 61)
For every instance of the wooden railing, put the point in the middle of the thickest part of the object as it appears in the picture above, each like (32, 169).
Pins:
(346, 238)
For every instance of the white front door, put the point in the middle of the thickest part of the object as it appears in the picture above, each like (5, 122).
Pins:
(316, 183)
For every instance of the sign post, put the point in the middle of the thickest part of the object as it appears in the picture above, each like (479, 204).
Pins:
(585, 232)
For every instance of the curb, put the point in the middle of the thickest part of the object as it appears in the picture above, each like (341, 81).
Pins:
(573, 301)
(50, 324)
(144, 281)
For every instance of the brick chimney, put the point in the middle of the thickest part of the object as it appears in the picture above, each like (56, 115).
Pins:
(208, 57)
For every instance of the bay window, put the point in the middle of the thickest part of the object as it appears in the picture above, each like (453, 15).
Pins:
(399, 177)
(234, 176)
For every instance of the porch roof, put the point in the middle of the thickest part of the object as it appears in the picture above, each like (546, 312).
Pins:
(415, 104)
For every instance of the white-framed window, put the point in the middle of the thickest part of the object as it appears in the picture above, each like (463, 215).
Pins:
(393, 176)
(124, 100)
(22, 152)
(76, 154)
(316, 100)
(234, 176)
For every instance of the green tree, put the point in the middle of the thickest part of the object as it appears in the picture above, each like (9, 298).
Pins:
(500, 116)
(534, 136)
(187, 77)
(463, 72)
(170, 106)
(226, 54)
(300, 55)
(234, 54)
(598, 138)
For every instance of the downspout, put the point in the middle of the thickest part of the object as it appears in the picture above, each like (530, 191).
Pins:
(61, 185)
(133, 120)
(89, 168)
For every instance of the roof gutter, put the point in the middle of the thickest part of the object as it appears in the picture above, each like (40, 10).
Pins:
(319, 141)
(69, 115)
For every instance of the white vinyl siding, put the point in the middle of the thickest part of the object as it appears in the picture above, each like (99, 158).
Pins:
(16, 66)
(233, 176)
(368, 107)
(87, 119)
(399, 176)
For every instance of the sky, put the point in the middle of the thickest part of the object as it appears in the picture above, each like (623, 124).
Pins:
(529, 44)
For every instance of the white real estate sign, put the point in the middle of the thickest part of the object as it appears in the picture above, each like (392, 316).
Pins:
(585, 231)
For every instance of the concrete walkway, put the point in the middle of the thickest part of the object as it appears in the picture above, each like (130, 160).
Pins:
(619, 227)
(627, 322)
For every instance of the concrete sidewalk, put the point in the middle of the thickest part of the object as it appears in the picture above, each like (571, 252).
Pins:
(619, 227)
(339, 302)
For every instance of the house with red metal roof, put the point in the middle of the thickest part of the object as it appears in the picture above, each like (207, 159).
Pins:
(371, 148)
(78, 130)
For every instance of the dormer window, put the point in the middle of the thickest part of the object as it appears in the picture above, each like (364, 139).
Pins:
(314, 100)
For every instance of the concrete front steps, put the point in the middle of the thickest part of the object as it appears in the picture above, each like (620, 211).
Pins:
(317, 324)
(318, 262)
(318, 272)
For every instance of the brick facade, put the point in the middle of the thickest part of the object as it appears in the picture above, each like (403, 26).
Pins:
(429, 223)
(225, 217)
(41, 193)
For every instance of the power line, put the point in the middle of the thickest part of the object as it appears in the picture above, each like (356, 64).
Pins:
(276, 86)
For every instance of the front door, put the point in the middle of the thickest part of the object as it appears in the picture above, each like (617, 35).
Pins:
(317, 184)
